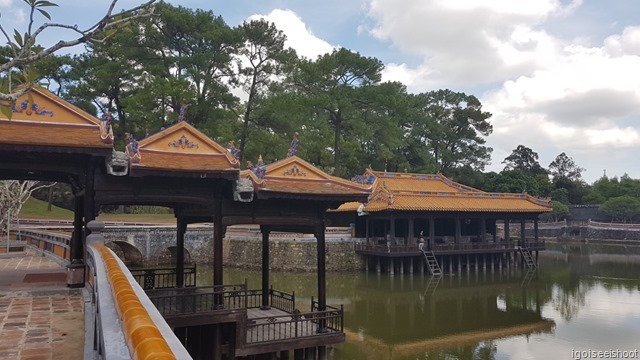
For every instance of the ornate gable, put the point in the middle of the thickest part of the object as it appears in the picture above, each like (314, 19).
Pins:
(41, 118)
(181, 148)
(296, 177)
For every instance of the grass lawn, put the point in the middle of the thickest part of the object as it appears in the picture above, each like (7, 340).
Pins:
(37, 209)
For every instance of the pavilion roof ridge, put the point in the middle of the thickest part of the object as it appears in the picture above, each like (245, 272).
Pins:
(421, 176)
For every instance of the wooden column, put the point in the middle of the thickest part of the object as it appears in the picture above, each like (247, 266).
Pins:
(366, 229)
(181, 226)
(322, 276)
(495, 230)
(483, 230)
(458, 234)
(265, 267)
(410, 234)
(507, 237)
(535, 230)
(432, 232)
(218, 236)
(522, 234)
(392, 229)
(76, 250)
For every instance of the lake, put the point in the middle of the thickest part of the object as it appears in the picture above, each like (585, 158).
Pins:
(571, 307)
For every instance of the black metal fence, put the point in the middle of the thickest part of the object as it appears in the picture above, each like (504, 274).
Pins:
(163, 278)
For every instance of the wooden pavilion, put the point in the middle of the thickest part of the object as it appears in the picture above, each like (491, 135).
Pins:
(181, 168)
(413, 216)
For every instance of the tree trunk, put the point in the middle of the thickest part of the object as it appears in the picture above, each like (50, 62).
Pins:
(247, 114)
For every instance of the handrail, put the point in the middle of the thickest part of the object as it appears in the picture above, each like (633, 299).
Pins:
(126, 325)
(143, 337)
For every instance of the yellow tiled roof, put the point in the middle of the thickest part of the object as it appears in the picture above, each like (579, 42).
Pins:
(296, 176)
(183, 148)
(43, 119)
(424, 192)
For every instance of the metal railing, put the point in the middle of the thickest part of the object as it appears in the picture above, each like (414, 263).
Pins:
(163, 278)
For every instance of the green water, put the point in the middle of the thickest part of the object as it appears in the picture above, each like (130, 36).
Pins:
(570, 304)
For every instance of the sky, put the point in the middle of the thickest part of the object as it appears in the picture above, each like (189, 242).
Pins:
(557, 75)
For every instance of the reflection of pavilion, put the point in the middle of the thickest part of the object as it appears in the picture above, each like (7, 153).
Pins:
(408, 317)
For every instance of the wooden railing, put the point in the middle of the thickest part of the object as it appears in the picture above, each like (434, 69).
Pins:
(470, 247)
(163, 278)
(173, 302)
(331, 318)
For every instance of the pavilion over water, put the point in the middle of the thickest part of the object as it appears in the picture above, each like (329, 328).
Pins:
(453, 220)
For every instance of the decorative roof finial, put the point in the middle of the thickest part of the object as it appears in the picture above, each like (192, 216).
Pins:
(258, 169)
(183, 111)
(132, 148)
(293, 149)
(231, 148)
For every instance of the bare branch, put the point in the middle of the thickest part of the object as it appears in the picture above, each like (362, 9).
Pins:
(25, 56)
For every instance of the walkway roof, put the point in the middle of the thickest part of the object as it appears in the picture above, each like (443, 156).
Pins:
(294, 177)
(42, 119)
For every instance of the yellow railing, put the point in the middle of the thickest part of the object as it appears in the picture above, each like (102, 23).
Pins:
(143, 338)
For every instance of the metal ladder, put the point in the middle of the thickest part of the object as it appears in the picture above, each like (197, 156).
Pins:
(432, 263)
(528, 258)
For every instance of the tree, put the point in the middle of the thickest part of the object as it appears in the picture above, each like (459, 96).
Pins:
(13, 195)
(559, 210)
(524, 159)
(332, 88)
(512, 181)
(26, 52)
(622, 207)
(261, 59)
(563, 167)
(450, 126)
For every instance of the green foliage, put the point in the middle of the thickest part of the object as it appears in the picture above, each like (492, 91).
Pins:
(559, 210)
(563, 167)
(512, 181)
(622, 207)
(524, 159)
(445, 129)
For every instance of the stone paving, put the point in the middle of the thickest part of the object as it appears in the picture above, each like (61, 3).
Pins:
(41, 318)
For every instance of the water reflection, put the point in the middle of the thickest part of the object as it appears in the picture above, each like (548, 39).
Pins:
(573, 302)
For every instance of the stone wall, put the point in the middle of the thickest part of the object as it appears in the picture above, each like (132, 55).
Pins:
(291, 255)
(298, 253)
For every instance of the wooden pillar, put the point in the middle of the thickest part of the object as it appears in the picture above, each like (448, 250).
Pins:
(218, 236)
(535, 230)
(522, 234)
(483, 230)
(495, 231)
(458, 233)
(76, 250)
(322, 276)
(265, 267)
(410, 233)
(366, 229)
(181, 226)
(507, 237)
(392, 229)
(432, 232)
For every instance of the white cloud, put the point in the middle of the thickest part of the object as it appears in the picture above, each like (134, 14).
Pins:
(548, 93)
(5, 3)
(299, 36)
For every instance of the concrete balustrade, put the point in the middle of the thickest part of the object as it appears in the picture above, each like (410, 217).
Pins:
(145, 335)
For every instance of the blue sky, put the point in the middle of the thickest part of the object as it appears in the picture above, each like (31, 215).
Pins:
(558, 76)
